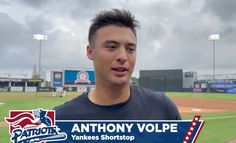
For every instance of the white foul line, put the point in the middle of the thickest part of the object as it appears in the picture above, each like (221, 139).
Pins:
(214, 118)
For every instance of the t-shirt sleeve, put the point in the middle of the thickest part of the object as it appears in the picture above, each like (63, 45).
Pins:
(173, 112)
(59, 112)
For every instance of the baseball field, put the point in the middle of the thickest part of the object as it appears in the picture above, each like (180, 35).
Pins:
(216, 109)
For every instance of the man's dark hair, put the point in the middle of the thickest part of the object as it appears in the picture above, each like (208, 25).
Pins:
(117, 17)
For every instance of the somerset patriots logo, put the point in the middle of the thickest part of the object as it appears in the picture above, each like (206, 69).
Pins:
(34, 126)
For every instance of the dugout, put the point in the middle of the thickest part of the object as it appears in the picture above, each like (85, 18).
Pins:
(162, 80)
(18, 84)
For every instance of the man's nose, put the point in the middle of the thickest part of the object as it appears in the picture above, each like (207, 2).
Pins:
(122, 55)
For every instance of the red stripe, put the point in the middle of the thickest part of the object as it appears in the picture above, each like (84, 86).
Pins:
(191, 126)
(19, 116)
(199, 132)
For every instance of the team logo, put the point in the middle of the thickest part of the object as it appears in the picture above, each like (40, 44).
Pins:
(33, 126)
(58, 75)
(82, 77)
(57, 79)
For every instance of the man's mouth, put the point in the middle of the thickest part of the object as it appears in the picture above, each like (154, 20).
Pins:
(120, 69)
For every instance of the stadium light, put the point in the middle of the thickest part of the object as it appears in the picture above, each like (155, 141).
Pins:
(40, 37)
(214, 37)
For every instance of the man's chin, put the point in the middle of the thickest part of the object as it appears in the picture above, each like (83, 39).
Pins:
(120, 81)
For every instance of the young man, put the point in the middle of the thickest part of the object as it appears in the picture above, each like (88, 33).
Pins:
(54, 91)
(112, 48)
(63, 92)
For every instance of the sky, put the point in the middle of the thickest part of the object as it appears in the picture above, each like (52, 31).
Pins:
(173, 34)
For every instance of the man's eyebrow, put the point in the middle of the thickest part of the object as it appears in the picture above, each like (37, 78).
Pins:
(111, 41)
(115, 42)
(131, 44)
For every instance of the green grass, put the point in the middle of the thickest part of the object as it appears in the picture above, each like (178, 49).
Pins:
(23, 103)
(4, 135)
(214, 130)
(219, 127)
(218, 130)
(223, 96)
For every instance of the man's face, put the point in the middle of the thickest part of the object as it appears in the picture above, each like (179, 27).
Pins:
(113, 52)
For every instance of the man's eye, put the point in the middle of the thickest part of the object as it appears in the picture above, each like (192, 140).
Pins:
(131, 49)
(111, 46)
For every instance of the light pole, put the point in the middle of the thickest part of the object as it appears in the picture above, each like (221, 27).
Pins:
(40, 37)
(214, 37)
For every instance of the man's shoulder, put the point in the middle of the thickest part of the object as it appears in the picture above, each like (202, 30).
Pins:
(152, 97)
(158, 102)
(72, 104)
(147, 93)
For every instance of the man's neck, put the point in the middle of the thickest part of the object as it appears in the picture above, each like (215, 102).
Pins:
(107, 95)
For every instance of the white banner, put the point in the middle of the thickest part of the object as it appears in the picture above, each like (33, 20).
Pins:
(16, 88)
(30, 89)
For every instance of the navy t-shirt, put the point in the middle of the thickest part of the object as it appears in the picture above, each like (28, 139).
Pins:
(142, 104)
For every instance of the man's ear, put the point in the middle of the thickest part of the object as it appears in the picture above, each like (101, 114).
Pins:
(90, 52)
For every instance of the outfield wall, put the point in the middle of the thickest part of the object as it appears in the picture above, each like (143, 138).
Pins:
(162, 80)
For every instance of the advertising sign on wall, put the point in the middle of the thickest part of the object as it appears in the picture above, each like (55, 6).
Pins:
(223, 86)
(4, 89)
(57, 79)
(30, 89)
(78, 77)
(16, 88)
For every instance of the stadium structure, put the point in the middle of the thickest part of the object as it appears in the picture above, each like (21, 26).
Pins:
(176, 80)
(72, 80)
(80, 80)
